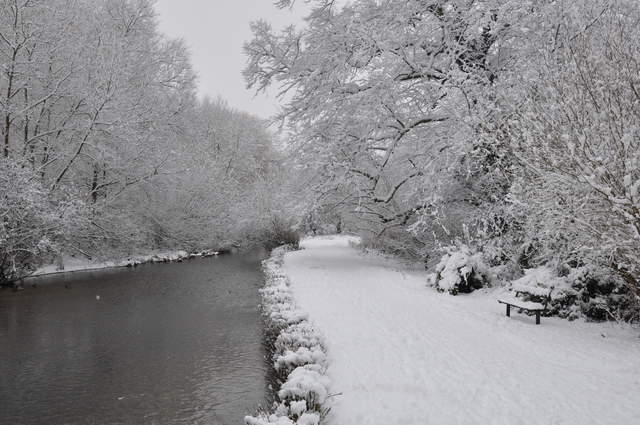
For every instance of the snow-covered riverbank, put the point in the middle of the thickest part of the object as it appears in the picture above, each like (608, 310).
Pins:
(297, 351)
(401, 353)
(71, 264)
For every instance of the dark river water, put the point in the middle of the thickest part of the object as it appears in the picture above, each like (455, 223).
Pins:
(159, 344)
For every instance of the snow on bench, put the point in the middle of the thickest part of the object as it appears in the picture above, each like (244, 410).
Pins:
(536, 308)
(538, 284)
(532, 290)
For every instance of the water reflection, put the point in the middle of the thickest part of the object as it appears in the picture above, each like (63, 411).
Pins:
(160, 344)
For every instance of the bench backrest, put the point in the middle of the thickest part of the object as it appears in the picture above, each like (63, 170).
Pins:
(544, 293)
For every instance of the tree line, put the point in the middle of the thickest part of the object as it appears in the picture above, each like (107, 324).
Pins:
(105, 148)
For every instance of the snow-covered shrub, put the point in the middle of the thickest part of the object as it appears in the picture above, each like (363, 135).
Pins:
(397, 242)
(298, 353)
(601, 295)
(587, 291)
(289, 360)
(305, 384)
(538, 282)
(279, 232)
(460, 271)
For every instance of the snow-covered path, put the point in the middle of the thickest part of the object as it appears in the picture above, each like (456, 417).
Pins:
(401, 353)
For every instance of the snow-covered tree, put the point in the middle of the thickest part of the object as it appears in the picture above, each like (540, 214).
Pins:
(574, 124)
(101, 109)
(34, 226)
(382, 99)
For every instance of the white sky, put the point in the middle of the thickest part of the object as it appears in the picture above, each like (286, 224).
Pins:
(215, 31)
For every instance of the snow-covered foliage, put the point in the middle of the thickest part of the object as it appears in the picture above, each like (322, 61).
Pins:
(299, 356)
(460, 270)
(598, 294)
(510, 125)
(224, 187)
(34, 224)
(380, 103)
(101, 108)
(573, 125)
(587, 291)
(538, 282)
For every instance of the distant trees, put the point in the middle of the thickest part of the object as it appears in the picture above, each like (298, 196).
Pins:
(99, 116)
(92, 96)
(223, 176)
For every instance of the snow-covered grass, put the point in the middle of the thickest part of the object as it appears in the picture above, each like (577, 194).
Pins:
(402, 353)
(299, 356)
(72, 264)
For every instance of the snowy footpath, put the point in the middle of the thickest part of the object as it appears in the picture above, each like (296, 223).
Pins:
(401, 353)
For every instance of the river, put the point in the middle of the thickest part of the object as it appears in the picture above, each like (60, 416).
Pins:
(161, 344)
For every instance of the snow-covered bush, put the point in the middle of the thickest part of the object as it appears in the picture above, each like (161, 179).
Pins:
(460, 271)
(397, 242)
(281, 232)
(588, 291)
(299, 356)
(601, 295)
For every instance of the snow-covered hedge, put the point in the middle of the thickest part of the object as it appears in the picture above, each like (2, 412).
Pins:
(460, 271)
(299, 356)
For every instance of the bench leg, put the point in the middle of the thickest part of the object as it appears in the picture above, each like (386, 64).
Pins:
(537, 317)
(508, 310)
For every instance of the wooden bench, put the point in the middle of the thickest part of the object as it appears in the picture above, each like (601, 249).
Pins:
(536, 308)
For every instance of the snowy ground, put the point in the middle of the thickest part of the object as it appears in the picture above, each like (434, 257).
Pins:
(401, 353)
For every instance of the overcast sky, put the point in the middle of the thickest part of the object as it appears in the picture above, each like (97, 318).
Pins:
(215, 31)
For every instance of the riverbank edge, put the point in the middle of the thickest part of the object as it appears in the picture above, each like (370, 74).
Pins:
(131, 261)
(297, 351)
